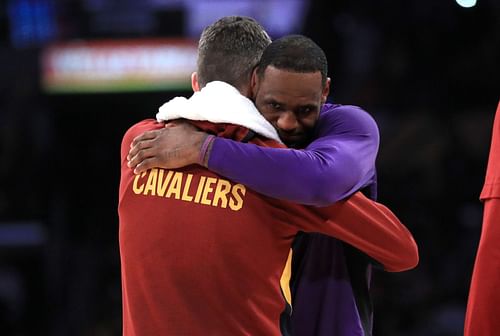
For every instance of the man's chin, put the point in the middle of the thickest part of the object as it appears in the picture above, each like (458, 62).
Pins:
(294, 142)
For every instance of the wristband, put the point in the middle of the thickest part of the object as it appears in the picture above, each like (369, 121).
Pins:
(204, 149)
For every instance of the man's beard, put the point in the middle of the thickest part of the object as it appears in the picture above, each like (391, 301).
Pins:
(296, 141)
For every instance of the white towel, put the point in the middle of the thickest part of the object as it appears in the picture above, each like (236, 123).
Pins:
(218, 102)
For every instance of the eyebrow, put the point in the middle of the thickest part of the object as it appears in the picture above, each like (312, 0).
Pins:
(273, 100)
(309, 106)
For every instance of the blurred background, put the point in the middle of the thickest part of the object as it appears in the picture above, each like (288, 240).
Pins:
(75, 74)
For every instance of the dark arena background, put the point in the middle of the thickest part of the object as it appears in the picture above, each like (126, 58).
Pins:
(427, 71)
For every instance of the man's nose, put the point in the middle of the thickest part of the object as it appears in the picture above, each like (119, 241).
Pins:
(287, 121)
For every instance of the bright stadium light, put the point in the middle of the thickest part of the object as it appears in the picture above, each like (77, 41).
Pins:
(466, 3)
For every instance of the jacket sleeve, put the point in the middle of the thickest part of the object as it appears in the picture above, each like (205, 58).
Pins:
(128, 137)
(337, 163)
(365, 224)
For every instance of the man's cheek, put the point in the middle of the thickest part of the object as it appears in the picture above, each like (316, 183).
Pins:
(308, 124)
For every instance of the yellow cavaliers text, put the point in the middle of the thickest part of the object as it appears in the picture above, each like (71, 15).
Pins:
(207, 190)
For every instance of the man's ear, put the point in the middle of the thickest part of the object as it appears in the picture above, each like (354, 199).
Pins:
(326, 91)
(194, 82)
(253, 84)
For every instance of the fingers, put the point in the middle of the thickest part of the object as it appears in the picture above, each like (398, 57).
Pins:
(171, 124)
(149, 135)
(139, 146)
(171, 147)
(180, 124)
(141, 155)
(145, 165)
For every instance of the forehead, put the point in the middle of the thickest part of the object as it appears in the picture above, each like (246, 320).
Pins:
(285, 84)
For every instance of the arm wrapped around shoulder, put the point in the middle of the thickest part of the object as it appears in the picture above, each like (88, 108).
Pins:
(372, 228)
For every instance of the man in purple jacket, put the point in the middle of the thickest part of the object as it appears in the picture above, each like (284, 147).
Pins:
(330, 280)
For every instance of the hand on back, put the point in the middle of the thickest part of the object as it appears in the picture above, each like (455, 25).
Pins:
(177, 145)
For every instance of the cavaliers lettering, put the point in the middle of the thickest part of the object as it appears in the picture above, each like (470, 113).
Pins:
(186, 187)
